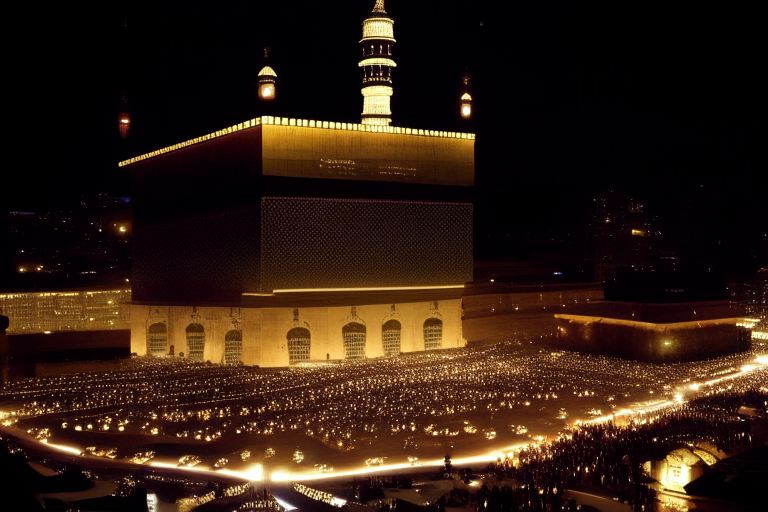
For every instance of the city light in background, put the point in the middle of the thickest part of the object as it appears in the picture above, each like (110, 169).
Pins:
(344, 293)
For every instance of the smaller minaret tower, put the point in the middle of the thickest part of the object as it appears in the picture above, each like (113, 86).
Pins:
(377, 42)
(124, 117)
(466, 99)
(267, 78)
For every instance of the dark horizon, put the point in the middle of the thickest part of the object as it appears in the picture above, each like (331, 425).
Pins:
(666, 105)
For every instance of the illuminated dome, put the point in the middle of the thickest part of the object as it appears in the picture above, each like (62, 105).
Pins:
(267, 71)
(466, 97)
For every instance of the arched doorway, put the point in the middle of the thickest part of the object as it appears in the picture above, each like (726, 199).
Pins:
(233, 347)
(433, 334)
(354, 340)
(299, 344)
(390, 338)
(195, 342)
(157, 339)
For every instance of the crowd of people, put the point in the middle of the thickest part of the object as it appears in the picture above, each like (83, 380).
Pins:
(349, 402)
(612, 457)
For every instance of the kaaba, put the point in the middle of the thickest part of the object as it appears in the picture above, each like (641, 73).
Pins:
(290, 241)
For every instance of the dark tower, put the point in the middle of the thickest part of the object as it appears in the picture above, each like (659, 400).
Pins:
(377, 42)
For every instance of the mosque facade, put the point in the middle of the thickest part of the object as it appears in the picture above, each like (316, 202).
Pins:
(290, 241)
(283, 241)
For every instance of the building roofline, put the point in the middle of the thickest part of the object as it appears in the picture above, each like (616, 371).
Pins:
(304, 123)
(587, 319)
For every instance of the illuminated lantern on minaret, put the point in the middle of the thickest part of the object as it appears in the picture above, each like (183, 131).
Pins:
(377, 42)
(466, 100)
(124, 117)
(267, 78)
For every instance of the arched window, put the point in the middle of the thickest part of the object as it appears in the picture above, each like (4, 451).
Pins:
(298, 345)
(195, 342)
(233, 347)
(390, 338)
(157, 339)
(354, 340)
(433, 334)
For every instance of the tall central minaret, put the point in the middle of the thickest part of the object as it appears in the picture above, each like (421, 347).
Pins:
(378, 39)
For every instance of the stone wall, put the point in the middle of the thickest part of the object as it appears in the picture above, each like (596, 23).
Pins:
(502, 312)
(38, 312)
(265, 330)
(652, 342)
(397, 154)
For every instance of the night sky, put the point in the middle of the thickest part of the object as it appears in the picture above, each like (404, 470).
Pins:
(572, 98)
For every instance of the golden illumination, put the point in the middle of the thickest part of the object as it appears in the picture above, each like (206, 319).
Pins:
(124, 124)
(466, 105)
(378, 28)
(377, 61)
(466, 100)
(372, 289)
(267, 71)
(376, 102)
(267, 77)
(63, 448)
(284, 121)
(377, 121)
(267, 90)
(646, 325)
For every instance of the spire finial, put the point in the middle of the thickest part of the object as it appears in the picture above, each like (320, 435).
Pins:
(379, 7)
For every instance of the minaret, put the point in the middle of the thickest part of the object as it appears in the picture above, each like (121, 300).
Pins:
(466, 99)
(267, 77)
(378, 39)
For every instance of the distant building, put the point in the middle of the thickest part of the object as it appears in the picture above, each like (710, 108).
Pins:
(657, 317)
(39, 312)
(528, 309)
(761, 295)
(59, 326)
(87, 245)
(622, 235)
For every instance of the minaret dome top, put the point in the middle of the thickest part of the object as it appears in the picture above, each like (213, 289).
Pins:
(267, 71)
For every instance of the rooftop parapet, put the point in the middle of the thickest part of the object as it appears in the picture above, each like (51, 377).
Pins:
(285, 121)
